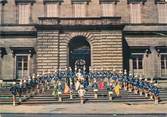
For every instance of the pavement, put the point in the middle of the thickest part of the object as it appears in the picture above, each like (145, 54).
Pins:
(90, 108)
(80, 115)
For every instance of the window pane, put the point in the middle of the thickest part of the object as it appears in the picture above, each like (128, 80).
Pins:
(19, 58)
(162, 57)
(139, 59)
(134, 63)
(25, 66)
(163, 61)
(140, 64)
(162, 65)
(19, 66)
(25, 59)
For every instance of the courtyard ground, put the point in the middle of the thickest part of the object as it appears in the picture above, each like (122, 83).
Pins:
(86, 108)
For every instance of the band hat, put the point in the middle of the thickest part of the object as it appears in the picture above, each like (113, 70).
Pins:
(125, 72)
(20, 83)
(24, 81)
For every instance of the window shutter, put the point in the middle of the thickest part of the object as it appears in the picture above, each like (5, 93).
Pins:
(107, 9)
(135, 13)
(52, 9)
(24, 13)
(162, 13)
(79, 9)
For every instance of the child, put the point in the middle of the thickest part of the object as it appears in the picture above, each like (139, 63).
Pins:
(81, 93)
(117, 89)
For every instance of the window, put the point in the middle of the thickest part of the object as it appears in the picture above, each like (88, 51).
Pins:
(163, 61)
(138, 62)
(107, 9)
(24, 14)
(52, 9)
(134, 63)
(21, 66)
(22, 62)
(162, 13)
(2, 3)
(79, 9)
(135, 12)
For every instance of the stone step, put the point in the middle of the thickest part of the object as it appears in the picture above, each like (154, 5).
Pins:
(126, 97)
(87, 101)
(90, 98)
(47, 98)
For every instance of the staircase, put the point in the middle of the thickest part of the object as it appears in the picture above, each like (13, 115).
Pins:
(5, 96)
(163, 95)
(47, 98)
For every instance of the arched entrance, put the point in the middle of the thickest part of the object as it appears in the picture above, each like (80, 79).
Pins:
(79, 53)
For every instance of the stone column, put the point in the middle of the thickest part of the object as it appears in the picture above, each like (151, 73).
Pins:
(158, 58)
(8, 66)
(0, 13)
(29, 65)
(154, 63)
(146, 64)
(130, 65)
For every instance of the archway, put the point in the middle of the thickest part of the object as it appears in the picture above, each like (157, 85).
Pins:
(79, 53)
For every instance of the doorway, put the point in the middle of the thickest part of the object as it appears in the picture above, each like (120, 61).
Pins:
(79, 53)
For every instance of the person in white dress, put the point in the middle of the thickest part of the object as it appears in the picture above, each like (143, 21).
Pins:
(77, 85)
(81, 93)
(79, 75)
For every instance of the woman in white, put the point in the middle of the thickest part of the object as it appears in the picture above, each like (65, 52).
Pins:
(81, 91)
(79, 75)
(77, 85)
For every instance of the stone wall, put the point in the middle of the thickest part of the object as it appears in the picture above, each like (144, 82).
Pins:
(149, 11)
(9, 12)
(15, 37)
(106, 49)
(111, 50)
(47, 51)
(8, 65)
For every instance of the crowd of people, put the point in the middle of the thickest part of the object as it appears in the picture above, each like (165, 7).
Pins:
(66, 82)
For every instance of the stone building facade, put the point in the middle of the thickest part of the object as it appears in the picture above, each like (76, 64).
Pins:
(38, 36)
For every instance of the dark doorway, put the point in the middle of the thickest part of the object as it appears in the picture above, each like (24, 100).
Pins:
(79, 53)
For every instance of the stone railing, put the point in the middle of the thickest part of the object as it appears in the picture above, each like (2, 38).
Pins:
(79, 20)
